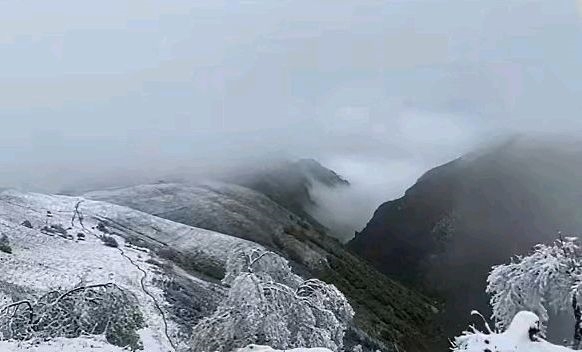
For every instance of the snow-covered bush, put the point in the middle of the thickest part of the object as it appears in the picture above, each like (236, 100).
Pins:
(547, 279)
(268, 304)
(109, 241)
(520, 336)
(5, 244)
(89, 310)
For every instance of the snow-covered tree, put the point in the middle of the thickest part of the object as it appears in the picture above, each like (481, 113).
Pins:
(101, 309)
(268, 304)
(550, 278)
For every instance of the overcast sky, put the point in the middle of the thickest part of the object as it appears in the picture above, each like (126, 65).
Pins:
(380, 90)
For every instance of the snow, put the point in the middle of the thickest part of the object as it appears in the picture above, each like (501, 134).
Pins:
(515, 339)
(542, 281)
(257, 348)
(80, 344)
(210, 246)
(225, 208)
(41, 262)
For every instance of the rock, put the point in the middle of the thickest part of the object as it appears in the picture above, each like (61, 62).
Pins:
(26, 223)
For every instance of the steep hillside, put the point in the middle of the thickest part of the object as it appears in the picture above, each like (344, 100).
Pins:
(461, 218)
(220, 207)
(225, 208)
(386, 311)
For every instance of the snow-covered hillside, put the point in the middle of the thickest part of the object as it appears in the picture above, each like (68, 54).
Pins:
(202, 246)
(56, 244)
(221, 207)
(225, 208)
(85, 275)
(386, 311)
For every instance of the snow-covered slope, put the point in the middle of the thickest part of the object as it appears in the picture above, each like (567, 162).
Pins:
(79, 344)
(63, 250)
(221, 207)
(203, 247)
(225, 208)
(385, 310)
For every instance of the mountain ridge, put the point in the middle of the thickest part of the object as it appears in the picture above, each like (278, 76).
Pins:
(375, 298)
(476, 211)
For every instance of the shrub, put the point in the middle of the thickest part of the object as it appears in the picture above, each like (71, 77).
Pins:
(102, 309)
(189, 263)
(27, 223)
(136, 241)
(56, 229)
(109, 241)
(101, 227)
(5, 244)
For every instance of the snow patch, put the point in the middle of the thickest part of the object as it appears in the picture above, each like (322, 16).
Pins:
(257, 348)
(80, 344)
(515, 339)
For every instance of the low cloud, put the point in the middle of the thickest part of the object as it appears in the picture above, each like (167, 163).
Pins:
(378, 91)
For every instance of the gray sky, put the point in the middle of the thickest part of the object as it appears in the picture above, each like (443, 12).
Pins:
(379, 90)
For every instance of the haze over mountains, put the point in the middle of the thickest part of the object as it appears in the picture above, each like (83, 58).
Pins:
(369, 144)
(174, 224)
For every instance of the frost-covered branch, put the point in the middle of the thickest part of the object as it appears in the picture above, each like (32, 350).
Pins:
(268, 304)
(548, 279)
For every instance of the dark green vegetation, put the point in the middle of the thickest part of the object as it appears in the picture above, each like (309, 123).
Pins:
(189, 303)
(387, 313)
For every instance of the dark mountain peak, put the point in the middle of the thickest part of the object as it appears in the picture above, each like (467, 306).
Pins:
(462, 217)
(289, 183)
(319, 173)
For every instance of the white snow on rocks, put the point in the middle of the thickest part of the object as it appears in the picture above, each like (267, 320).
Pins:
(515, 339)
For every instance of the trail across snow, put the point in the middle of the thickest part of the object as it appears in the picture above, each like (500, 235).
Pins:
(41, 262)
